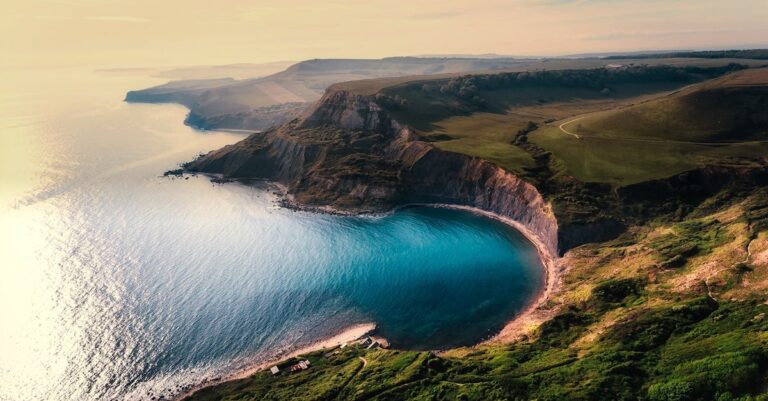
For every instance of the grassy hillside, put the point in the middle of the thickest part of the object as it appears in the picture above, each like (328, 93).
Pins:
(263, 102)
(729, 109)
(719, 122)
(624, 162)
(669, 311)
(669, 305)
(616, 126)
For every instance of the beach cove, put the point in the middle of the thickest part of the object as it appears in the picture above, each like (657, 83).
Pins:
(155, 285)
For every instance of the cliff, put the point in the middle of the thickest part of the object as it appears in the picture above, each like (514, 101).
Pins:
(264, 102)
(690, 274)
(348, 153)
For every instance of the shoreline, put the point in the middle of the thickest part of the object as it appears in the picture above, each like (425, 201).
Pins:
(525, 320)
(350, 334)
(517, 327)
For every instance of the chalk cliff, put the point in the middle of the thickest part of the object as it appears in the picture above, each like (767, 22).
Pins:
(346, 152)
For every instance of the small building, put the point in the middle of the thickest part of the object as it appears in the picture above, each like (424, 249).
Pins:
(275, 370)
(373, 342)
(303, 365)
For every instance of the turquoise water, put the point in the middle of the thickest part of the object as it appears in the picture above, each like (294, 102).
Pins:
(119, 283)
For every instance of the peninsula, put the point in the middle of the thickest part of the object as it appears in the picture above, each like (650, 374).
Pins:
(642, 180)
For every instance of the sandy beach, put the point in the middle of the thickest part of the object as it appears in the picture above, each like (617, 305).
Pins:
(534, 314)
(526, 320)
(348, 335)
(518, 326)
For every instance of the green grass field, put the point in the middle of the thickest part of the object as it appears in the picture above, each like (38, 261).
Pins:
(484, 135)
(673, 309)
(632, 136)
(717, 111)
(627, 329)
(623, 162)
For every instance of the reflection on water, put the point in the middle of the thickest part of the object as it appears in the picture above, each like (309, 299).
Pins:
(118, 283)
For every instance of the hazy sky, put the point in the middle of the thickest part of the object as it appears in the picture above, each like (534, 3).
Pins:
(126, 33)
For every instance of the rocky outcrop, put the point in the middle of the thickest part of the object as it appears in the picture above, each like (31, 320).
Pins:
(347, 153)
(431, 175)
(345, 110)
(256, 119)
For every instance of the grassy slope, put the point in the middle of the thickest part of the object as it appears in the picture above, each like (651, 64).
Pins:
(731, 108)
(373, 86)
(633, 134)
(622, 162)
(631, 326)
(490, 135)
(665, 136)
(671, 310)
(484, 135)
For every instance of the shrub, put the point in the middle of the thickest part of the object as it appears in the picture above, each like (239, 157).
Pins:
(673, 390)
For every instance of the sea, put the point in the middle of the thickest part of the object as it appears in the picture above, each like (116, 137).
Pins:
(117, 283)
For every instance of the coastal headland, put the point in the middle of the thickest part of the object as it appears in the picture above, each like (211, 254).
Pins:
(646, 253)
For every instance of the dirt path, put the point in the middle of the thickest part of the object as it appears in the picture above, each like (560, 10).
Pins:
(562, 127)
(365, 362)
(650, 140)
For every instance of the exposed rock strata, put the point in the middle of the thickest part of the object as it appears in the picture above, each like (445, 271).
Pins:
(347, 153)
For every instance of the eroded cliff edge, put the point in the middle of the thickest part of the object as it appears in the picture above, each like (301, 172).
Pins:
(347, 153)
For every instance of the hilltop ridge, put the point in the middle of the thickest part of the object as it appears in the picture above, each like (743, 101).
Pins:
(661, 270)
(260, 103)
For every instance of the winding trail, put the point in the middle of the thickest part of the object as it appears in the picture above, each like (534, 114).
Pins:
(651, 140)
(365, 362)
(569, 132)
(577, 136)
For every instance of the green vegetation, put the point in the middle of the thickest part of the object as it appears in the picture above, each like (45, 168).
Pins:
(668, 302)
(714, 113)
(624, 162)
(758, 54)
(420, 104)
(693, 350)
(599, 125)
(616, 162)
(486, 135)
(628, 327)
(688, 239)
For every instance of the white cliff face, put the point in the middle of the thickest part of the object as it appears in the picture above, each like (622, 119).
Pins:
(413, 170)
(434, 175)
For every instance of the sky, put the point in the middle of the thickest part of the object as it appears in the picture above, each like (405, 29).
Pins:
(154, 33)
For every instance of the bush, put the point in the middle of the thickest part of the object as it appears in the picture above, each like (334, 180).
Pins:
(612, 292)
(673, 390)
